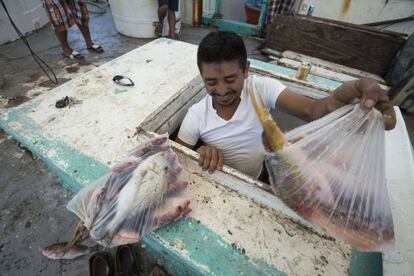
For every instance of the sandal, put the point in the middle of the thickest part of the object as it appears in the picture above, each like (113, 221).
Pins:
(126, 261)
(96, 48)
(100, 264)
(74, 55)
(123, 81)
(158, 29)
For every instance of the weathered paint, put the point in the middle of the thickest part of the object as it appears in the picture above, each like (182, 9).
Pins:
(73, 168)
(331, 84)
(363, 263)
(208, 252)
(76, 170)
(346, 6)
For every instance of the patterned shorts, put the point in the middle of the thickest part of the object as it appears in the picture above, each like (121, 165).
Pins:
(65, 13)
(278, 7)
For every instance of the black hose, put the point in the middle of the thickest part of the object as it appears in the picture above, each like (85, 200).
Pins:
(43, 65)
(391, 21)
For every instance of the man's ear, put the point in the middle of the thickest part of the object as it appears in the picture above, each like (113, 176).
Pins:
(246, 71)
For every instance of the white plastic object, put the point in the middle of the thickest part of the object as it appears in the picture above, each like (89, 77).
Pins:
(332, 171)
(144, 191)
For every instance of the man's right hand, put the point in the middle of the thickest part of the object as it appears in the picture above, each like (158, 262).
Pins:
(211, 158)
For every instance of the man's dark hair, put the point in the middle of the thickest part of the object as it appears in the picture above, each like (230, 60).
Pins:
(222, 46)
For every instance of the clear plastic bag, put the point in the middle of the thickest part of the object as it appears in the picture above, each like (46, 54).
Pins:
(332, 171)
(141, 193)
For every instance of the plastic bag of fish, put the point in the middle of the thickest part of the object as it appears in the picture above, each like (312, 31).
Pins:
(141, 193)
(332, 171)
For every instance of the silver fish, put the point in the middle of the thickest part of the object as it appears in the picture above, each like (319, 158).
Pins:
(55, 251)
(148, 184)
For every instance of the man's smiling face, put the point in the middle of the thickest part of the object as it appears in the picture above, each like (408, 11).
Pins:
(224, 81)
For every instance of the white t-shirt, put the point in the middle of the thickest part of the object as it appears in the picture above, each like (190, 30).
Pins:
(240, 138)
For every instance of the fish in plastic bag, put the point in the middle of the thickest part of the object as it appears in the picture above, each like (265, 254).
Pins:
(332, 171)
(139, 194)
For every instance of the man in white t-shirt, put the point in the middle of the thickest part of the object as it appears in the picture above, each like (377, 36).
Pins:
(225, 121)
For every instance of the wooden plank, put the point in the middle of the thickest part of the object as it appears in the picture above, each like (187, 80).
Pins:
(316, 70)
(296, 87)
(332, 66)
(353, 26)
(167, 109)
(319, 71)
(368, 51)
(287, 74)
(173, 122)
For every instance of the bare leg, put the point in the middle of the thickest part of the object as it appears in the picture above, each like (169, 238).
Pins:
(162, 13)
(63, 39)
(86, 35)
(171, 23)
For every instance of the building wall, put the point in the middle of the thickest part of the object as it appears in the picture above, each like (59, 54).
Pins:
(363, 11)
(28, 15)
(231, 9)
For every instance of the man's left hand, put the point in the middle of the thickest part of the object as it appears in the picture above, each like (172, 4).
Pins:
(370, 93)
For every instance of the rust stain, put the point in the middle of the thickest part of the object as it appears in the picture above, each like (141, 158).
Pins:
(16, 100)
(346, 5)
(72, 69)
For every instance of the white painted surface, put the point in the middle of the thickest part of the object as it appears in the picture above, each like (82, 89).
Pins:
(363, 11)
(400, 179)
(265, 233)
(135, 18)
(28, 15)
(258, 221)
(103, 123)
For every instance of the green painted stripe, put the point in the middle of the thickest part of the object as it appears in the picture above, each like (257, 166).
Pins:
(292, 73)
(208, 252)
(365, 263)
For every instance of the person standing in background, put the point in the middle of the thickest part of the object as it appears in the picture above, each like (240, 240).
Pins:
(275, 7)
(63, 14)
(167, 7)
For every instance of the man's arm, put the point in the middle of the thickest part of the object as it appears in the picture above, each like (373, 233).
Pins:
(367, 90)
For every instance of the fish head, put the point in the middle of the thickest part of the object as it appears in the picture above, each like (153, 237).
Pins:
(160, 164)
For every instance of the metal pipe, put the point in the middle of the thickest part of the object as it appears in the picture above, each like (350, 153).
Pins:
(262, 16)
(391, 21)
